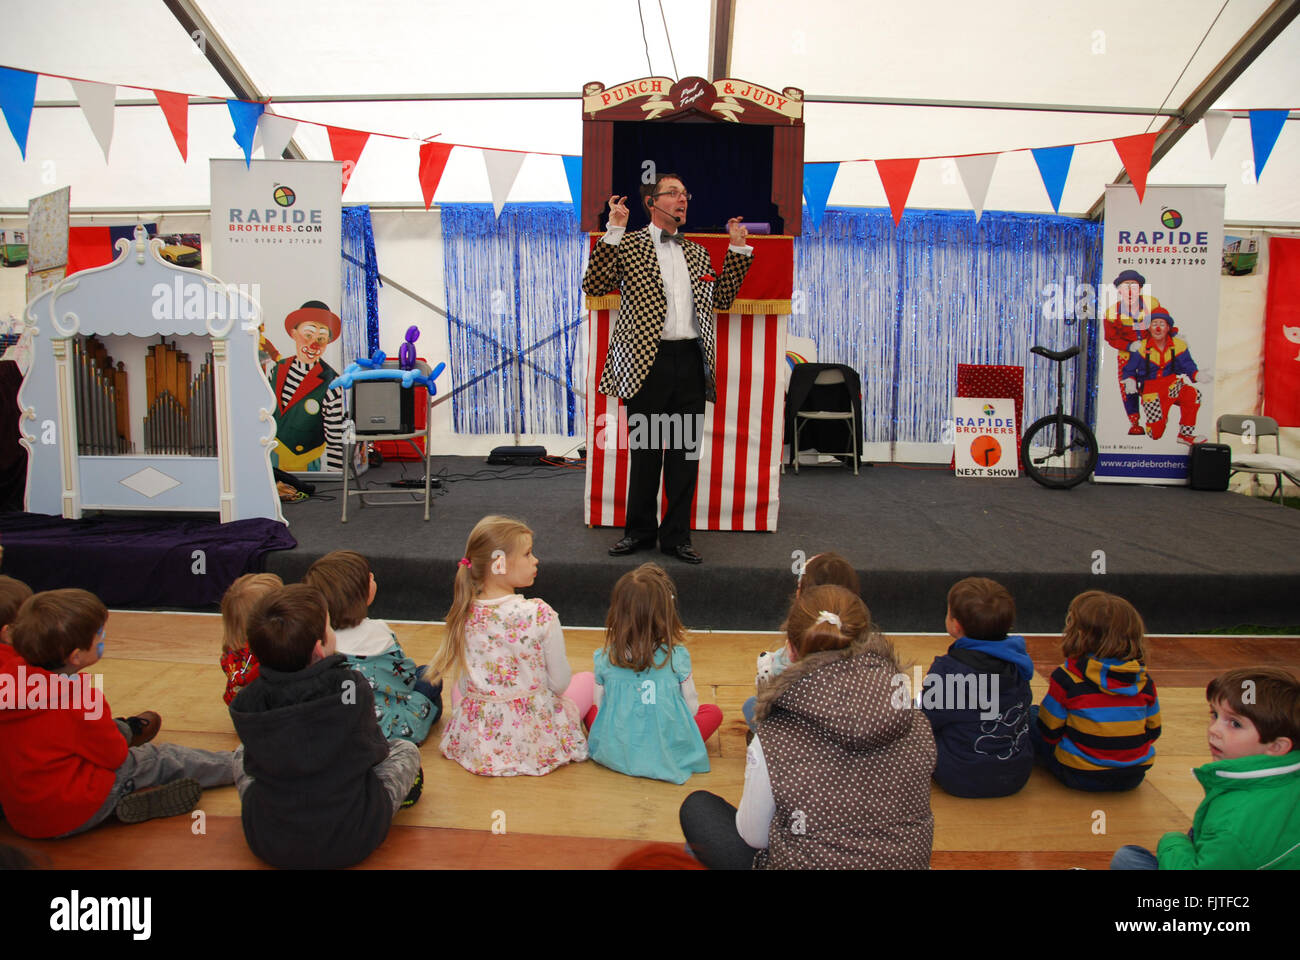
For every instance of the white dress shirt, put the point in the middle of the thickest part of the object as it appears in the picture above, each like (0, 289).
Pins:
(679, 321)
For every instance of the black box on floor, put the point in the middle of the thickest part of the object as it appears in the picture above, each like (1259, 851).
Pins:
(516, 456)
(1209, 465)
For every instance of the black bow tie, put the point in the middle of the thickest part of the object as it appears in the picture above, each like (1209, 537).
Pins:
(674, 237)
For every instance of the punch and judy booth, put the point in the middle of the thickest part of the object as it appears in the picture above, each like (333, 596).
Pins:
(738, 147)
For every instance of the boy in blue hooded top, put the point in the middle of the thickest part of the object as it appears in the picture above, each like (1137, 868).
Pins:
(977, 696)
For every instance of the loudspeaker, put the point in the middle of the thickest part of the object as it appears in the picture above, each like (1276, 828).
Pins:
(516, 456)
(383, 406)
(1209, 465)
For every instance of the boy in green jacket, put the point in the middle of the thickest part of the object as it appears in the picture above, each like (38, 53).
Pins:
(1250, 817)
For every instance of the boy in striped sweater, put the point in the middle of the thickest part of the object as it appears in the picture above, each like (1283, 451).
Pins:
(1095, 729)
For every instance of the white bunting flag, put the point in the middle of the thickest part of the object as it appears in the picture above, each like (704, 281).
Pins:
(275, 133)
(1216, 124)
(502, 168)
(976, 173)
(96, 101)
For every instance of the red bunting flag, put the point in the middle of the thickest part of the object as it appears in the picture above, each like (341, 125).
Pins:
(176, 108)
(433, 160)
(1135, 153)
(897, 177)
(346, 145)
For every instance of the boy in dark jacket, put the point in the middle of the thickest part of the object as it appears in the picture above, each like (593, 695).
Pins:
(321, 785)
(977, 695)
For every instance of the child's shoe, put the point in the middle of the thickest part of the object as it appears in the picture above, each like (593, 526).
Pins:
(144, 727)
(169, 800)
(414, 795)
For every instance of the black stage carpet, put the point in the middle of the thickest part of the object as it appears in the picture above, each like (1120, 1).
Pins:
(1189, 560)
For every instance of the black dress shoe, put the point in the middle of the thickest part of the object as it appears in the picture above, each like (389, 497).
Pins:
(684, 552)
(629, 545)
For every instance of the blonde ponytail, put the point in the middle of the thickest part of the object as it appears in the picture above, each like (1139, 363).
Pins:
(490, 535)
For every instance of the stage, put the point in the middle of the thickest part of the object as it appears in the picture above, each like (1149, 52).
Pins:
(1190, 560)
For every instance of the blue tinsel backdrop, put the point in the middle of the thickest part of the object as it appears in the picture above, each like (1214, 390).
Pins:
(360, 308)
(901, 305)
(515, 317)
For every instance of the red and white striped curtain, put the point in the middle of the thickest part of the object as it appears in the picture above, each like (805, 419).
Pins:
(739, 481)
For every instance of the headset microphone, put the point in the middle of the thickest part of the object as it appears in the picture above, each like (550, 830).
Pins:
(676, 219)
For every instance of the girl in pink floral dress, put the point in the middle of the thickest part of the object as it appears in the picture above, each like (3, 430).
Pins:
(516, 705)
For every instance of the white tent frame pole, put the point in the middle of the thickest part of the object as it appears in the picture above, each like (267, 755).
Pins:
(227, 65)
(1256, 40)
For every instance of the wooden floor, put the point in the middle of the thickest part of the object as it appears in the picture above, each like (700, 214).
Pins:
(585, 816)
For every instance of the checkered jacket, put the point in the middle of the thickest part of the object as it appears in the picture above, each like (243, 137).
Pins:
(632, 268)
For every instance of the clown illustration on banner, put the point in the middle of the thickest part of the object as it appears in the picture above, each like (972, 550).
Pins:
(277, 227)
(308, 415)
(1160, 316)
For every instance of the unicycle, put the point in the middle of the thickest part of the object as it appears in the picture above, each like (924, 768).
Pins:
(1058, 450)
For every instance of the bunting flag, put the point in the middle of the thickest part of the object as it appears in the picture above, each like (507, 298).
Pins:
(502, 168)
(897, 177)
(1265, 125)
(1135, 153)
(17, 97)
(976, 175)
(176, 108)
(1216, 124)
(433, 160)
(573, 173)
(244, 115)
(818, 178)
(1054, 167)
(346, 146)
(97, 102)
(276, 132)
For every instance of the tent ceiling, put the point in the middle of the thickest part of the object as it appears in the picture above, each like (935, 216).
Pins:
(1103, 53)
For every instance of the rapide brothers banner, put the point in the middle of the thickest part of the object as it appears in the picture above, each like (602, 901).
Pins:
(1159, 304)
(277, 227)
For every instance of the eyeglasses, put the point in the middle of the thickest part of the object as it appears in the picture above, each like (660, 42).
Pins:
(674, 193)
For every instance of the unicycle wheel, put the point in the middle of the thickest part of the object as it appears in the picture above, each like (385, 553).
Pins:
(1059, 452)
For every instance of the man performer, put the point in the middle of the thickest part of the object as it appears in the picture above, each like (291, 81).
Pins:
(662, 351)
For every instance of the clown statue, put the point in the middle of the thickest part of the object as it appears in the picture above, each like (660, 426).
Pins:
(1126, 323)
(308, 415)
(1161, 370)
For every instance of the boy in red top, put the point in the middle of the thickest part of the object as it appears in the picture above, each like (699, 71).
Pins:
(65, 764)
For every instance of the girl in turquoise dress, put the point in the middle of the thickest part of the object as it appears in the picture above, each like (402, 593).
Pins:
(648, 721)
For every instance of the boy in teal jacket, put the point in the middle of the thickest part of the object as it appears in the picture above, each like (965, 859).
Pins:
(1250, 817)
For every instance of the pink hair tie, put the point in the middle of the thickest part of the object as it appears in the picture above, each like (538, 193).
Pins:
(463, 561)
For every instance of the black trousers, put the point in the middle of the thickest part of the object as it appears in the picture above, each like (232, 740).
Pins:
(709, 826)
(664, 417)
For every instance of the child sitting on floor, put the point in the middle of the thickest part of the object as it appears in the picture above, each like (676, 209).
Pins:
(13, 594)
(65, 764)
(320, 785)
(1250, 817)
(823, 569)
(1096, 727)
(519, 707)
(405, 706)
(236, 659)
(648, 720)
(838, 773)
(984, 746)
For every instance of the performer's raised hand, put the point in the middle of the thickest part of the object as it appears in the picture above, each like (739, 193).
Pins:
(618, 211)
(736, 227)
